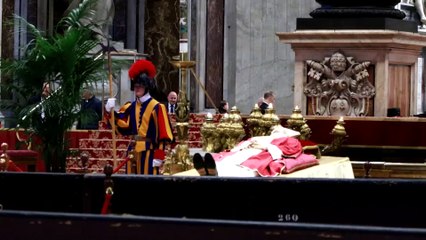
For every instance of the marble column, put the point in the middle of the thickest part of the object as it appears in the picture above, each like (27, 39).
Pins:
(131, 29)
(162, 42)
(200, 54)
(7, 38)
(192, 51)
(214, 51)
(42, 13)
(422, 85)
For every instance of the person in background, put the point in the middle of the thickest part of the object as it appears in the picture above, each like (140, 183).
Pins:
(223, 107)
(268, 98)
(45, 92)
(90, 110)
(145, 119)
(171, 102)
(37, 100)
(259, 101)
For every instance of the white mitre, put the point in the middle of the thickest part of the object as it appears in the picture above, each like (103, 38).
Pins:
(261, 142)
(280, 131)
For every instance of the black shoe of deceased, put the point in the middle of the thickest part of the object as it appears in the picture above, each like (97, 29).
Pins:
(199, 164)
(210, 165)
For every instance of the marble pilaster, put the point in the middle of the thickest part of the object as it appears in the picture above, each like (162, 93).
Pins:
(192, 40)
(162, 42)
(131, 28)
(200, 54)
(214, 51)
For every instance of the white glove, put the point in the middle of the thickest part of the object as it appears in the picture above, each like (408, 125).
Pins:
(157, 163)
(110, 104)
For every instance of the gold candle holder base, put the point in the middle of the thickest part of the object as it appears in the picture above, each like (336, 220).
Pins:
(179, 160)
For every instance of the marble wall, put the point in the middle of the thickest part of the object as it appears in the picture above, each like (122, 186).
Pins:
(254, 59)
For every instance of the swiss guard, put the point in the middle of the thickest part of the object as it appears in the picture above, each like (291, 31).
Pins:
(145, 119)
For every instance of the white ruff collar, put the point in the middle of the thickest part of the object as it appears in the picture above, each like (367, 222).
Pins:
(144, 98)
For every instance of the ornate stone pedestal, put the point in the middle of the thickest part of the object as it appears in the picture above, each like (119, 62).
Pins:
(392, 56)
(356, 58)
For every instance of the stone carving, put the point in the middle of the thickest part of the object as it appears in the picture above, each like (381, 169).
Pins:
(339, 86)
(421, 11)
(103, 16)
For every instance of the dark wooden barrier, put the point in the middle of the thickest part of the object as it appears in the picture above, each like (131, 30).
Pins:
(64, 226)
(372, 202)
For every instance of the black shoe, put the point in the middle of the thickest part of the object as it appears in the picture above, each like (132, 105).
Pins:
(199, 164)
(210, 165)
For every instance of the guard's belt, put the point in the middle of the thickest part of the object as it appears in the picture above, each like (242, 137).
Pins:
(140, 138)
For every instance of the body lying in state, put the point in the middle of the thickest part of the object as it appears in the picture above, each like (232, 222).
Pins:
(266, 156)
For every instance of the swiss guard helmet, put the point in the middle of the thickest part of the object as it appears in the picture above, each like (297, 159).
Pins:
(142, 72)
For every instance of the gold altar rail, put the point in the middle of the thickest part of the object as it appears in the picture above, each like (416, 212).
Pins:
(388, 170)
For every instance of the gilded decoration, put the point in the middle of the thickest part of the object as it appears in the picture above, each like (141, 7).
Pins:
(339, 86)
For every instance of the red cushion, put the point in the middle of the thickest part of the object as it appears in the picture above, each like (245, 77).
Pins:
(22, 153)
(307, 143)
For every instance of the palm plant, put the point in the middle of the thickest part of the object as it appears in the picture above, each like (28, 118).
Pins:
(63, 60)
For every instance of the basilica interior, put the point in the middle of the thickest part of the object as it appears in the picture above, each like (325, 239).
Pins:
(348, 83)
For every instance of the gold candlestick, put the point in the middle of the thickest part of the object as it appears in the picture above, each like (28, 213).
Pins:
(254, 121)
(181, 159)
(236, 129)
(296, 120)
(208, 133)
(269, 119)
(339, 136)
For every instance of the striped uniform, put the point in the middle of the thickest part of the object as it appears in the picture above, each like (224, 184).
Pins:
(148, 121)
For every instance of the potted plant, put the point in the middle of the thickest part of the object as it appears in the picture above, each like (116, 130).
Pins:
(65, 62)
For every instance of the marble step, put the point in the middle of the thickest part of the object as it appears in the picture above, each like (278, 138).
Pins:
(92, 170)
(123, 143)
(103, 143)
(105, 134)
(93, 164)
(100, 152)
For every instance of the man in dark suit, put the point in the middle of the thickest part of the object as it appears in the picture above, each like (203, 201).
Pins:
(91, 110)
(37, 100)
(268, 98)
(171, 102)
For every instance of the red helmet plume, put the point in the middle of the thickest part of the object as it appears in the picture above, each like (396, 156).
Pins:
(142, 66)
(142, 72)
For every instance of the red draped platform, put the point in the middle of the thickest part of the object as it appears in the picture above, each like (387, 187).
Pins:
(364, 133)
